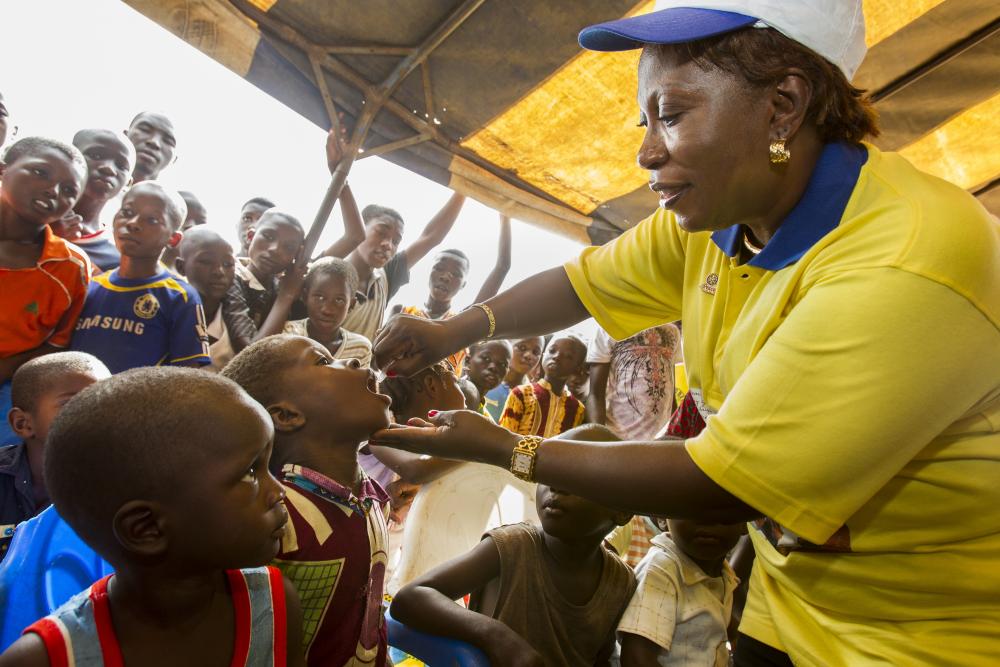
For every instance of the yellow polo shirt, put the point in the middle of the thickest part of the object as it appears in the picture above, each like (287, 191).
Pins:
(850, 375)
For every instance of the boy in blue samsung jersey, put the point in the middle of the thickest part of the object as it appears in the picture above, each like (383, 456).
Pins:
(140, 314)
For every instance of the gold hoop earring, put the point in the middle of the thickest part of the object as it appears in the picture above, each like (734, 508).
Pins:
(779, 154)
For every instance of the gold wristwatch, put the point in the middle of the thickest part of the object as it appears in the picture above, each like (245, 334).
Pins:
(522, 460)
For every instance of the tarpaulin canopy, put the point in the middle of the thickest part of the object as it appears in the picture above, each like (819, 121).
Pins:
(495, 99)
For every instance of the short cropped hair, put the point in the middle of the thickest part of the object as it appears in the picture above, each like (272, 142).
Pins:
(36, 377)
(259, 367)
(291, 220)
(374, 211)
(575, 337)
(761, 57)
(188, 197)
(35, 145)
(136, 435)
(475, 347)
(86, 133)
(401, 389)
(200, 234)
(455, 253)
(259, 201)
(331, 266)
(175, 202)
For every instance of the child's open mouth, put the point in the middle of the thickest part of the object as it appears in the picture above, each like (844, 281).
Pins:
(373, 387)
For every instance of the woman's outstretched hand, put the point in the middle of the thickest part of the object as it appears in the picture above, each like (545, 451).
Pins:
(409, 344)
(460, 435)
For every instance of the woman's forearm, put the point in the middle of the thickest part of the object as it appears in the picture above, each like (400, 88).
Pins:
(538, 305)
(656, 477)
(543, 303)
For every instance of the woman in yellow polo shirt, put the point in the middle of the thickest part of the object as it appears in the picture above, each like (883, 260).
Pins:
(841, 312)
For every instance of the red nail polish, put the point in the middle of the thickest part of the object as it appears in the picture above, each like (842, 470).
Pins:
(390, 374)
(432, 414)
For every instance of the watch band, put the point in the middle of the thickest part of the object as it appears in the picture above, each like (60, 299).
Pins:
(522, 459)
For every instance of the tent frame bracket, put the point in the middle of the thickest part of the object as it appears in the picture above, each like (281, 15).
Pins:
(376, 97)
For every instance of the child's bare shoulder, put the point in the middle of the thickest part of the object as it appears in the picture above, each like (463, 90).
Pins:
(28, 651)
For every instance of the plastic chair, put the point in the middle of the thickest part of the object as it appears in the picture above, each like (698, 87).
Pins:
(433, 650)
(46, 565)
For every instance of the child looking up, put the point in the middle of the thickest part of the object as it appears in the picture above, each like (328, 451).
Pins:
(110, 158)
(177, 509)
(140, 314)
(249, 215)
(549, 596)
(381, 270)
(152, 134)
(39, 390)
(526, 353)
(458, 501)
(680, 613)
(546, 407)
(486, 367)
(328, 292)
(206, 261)
(334, 550)
(448, 277)
(44, 278)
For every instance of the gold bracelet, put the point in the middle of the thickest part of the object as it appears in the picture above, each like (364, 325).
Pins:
(522, 459)
(489, 313)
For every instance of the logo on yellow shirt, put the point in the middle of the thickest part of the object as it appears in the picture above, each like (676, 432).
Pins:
(711, 280)
(146, 306)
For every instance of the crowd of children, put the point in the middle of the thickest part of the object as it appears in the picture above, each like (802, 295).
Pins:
(269, 536)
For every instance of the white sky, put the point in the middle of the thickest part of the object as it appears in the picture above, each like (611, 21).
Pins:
(72, 64)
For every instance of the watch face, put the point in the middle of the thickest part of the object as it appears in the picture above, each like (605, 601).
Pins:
(521, 463)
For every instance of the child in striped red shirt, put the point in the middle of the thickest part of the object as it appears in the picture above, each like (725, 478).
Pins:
(547, 408)
(334, 549)
(186, 515)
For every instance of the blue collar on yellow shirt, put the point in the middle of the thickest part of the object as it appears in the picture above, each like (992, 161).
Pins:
(817, 214)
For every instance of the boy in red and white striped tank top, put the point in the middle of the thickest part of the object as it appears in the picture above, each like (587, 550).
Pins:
(177, 508)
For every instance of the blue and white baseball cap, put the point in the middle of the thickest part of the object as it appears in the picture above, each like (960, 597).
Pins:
(835, 29)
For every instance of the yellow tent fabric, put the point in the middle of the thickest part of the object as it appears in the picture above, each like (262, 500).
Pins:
(508, 108)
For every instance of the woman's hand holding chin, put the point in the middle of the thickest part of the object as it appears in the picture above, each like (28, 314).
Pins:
(460, 435)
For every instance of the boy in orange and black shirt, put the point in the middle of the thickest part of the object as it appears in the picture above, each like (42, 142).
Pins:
(44, 278)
